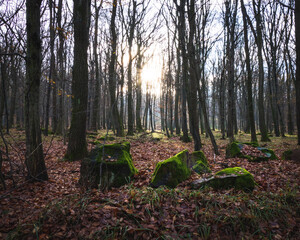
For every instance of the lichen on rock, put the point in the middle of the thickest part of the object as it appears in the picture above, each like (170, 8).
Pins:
(107, 166)
(172, 171)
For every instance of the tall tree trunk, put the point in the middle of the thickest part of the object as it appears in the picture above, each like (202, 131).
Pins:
(129, 70)
(14, 91)
(230, 66)
(77, 147)
(222, 103)
(97, 73)
(117, 121)
(162, 111)
(139, 127)
(34, 149)
(259, 42)
(182, 46)
(192, 90)
(52, 68)
(60, 129)
(297, 82)
(177, 92)
(249, 77)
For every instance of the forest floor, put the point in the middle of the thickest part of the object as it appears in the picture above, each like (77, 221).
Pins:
(60, 209)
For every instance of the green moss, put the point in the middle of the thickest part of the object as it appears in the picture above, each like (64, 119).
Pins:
(201, 168)
(270, 153)
(157, 136)
(197, 156)
(107, 138)
(115, 162)
(234, 150)
(287, 155)
(237, 177)
(172, 171)
(199, 163)
(253, 144)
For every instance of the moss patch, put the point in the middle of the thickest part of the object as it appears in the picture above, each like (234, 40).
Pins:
(253, 144)
(238, 178)
(107, 138)
(241, 179)
(199, 163)
(172, 171)
(113, 161)
(234, 150)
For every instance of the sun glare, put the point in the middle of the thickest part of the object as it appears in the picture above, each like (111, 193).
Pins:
(151, 76)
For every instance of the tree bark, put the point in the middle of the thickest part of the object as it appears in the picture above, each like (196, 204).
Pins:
(77, 146)
(259, 42)
(117, 121)
(184, 67)
(297, 82)
(34, 149)
(94, 124)
(249, 77)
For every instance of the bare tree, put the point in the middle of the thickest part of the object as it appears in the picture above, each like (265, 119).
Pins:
(77, 146)
(34, 149)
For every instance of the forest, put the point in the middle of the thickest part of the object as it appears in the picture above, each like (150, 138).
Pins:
(140, 119)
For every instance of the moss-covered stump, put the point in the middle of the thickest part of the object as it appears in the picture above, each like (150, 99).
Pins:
(291, 155)
(107, 166)
(172, 171)
(238, 178)
(198, 162)
(250, 151)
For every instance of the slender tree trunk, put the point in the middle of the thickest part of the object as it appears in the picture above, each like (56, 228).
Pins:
(60, 128)
(230, 66)
(139, 127)
(182, 44)
(14, 91)
(177, 92)
(249, 78)
(97, 73)
(259, 42)
(297, 82)
(34, 149)
(162, 111)
(77, 146)
(117, 121)
(222, 103)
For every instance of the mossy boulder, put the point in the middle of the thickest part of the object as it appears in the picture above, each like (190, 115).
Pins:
(269, 154)
(291, 155)
(107, 166)
(172, 171)
(198, 162)
(238, 178)
(234, 150)
(287, 155)
(258, 154)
